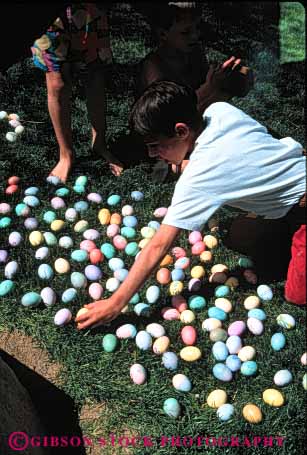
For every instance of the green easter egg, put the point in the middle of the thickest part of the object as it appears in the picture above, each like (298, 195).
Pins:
(108, 250)
(31, 299)
(79, 255)
(132, 249)
(50, 238)
(109, 342)
(6, 287)
(62, 192)
(5, 222)
(128, 232)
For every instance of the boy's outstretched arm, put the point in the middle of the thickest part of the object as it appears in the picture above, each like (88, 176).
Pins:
(104, 311)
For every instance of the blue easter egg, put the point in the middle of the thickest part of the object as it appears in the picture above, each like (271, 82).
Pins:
(31, 299)
(278, 341)
(222, 291)
(79, 189)
(257, 313)
(49, 216)
(182, 383)
(170, 360)
(45, 272)
(53, 180)
(152, 294)
(121, 274)
(81, 180)
(137, 195)
(154, 225)
(220, 351)
(134, 299)
(282, 378)
(171, 407)
(107, 250)
(79, 255)
(130, 221)
(62, 192)
(114, 199)
(81, 206)
(92, 272)
(197, 302)
(178, 275)
(234, 344)
(233, 362)
(217, 313)
(143, 340)
(6, 287)
(22, 209)
(225, 412)
(128, 232)
(222, 372)
(69, 295)
(249, 368)
(116, 264)
(142, 309)
(264, 292)
(32, 191)
(31, 201)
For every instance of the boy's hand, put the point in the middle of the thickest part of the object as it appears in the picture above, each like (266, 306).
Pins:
(99, 313)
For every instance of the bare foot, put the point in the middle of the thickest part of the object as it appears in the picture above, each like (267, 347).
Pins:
(61, 170)
(116, 169)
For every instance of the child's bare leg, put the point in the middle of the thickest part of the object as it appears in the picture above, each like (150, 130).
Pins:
(59, 91)
(97, 106)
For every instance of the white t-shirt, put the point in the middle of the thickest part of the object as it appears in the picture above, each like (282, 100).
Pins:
(236, 162)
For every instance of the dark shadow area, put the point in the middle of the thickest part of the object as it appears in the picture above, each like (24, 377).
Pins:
(56, 409)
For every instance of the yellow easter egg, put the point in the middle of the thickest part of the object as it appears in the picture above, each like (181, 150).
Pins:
(232, 282)
(142, 243)
(161, 345)
(190, 353)
(206, 256)
(36, 238)
(176, 287)
(115, 218)
(252, 413)
(81, 226)
(187, 316)
(246, 353)
(104, 216)
(81, 311)
(216, 398)
(251, 302)
(223, 304)
(210, 241)
(57, 225)
(197, 271)
(273, 397)
(167, 260)
(61, 266)
(147, 232)
(219, 268)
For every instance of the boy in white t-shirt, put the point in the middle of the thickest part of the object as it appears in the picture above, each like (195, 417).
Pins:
(233, 161)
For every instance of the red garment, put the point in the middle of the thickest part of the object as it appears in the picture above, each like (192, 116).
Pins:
(295, 289)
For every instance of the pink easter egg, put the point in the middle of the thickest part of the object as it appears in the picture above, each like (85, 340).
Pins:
(237, 328)
(95, 291)
(160, 212)
(178, 252)
(170, 314)
(11, 189)
(119, 242)
(194, 285)
(250, 276)
(198, 247)
(87, 245)
(112, 230)
(179, 302)
(57, 203)
(14, 180)
(163, 276)
(4, 208)
(188, 335)
(194, 237)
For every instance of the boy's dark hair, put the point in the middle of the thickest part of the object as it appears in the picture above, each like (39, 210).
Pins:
(164, 15)
(162, 105)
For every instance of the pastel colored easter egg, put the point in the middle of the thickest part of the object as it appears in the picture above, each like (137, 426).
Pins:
(194, 285)
(219, 268)
(152, 294)
(14, 123)
(88, 246)
(31, 201)
(195, 236)
(218, 277)
(160, 212)
(143, 340)
(251, 302)
(198, 248)
(163, 276)
(81, 226)
(5, 222)
(127, 210)
(80, 313)
(182, 263)
(11, 269)
(91, 234)
(137, 196)
(210, 241)
(81, 206)
(121, 274)
(257, 313)
(114, 199)
(71, 215)
(79, 189)
(232, 282)
(172, 408)
(36, 238)
(182, 383)
(48, 296)
(15, 239)
(95, 255)
(116, 264)
(45, 272)
(250, 276)
(246, 353)
(126, 331)
(197, 302)
(211, 324)
(264, 292)
(50, 238)
(132, 249)
(222, 291)
(14, 180)
(95, 291)
(161, 345)
(78, 280)
(116, 219)
(92, 272)
(107, 250)
(217, 313)
(5, 208)
(170, 360)
(190, 353)
(119, 242)
(176, 287)
(304, 381)
(245, 262)
(94, 197)
(154, 225)
(223, 304)
(62, 317)
(130, 221)
(69, 295)
(187, 316)
(142, 309)
(255, 326)
(233, 362)
(178, 252)
(197, 272)
(304, 359)
(31, 299)
(252, 413)
(6, 287)
(49, 216)
(22, 209)
(112, 284)
(62, 192)
(273, 397)
(234, 344)
(278, 341)
(222, 372)
(57, 225)
(81, 180)
(225, 412)
(109, 342)
(282, 378)
(249, 368)
(170, 314)
(11, 189)
(143, 243)
(11, 136)
(79, 255)
(104, 216)
(237, 328)
(53, 180)
(65, 242)
(155, 330)
(112, 230)
(218, 334)
(220, 351)
(30, 223)
(286, 321)
(128, 232)
(147, 232)
(57, 203)
(42, 253)
(177, 275)
(217, 398)
(167, 260)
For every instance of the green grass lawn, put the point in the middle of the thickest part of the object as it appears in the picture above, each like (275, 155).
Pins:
(89, 374)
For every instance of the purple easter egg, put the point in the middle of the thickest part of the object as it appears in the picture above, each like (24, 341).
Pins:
(57, 203)
(62, 317)
(237, 328)
(3, 256)
(91, 234)
(92, 272)
(30, 223)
